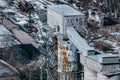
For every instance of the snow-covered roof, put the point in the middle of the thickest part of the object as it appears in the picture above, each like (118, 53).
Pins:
(65, 10)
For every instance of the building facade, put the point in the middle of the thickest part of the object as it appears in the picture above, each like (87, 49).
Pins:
(60, 17)
(63, 16)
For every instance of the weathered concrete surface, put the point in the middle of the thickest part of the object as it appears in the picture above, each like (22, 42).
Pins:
(22, 36)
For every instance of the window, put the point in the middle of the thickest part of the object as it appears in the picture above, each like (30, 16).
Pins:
(71, 22)
(76, 19)
(67, 20)
(58, 28)
(80, 21)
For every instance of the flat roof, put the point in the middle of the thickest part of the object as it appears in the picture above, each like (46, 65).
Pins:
(65, 10)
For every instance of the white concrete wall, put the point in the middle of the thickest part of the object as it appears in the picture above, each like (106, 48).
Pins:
(89, 74)
(92, 75)
(103, 77)
(67, 76)
(67, 58)
(54, 19)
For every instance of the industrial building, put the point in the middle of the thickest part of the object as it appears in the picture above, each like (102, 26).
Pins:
(63, 16)
(59, 39)
(60, 17)
(97, 65)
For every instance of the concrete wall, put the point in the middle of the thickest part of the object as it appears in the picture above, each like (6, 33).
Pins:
(92, 75)
(103, 77)
(67, 57)
(89, 74)
(63, 21)
(107, 69)
(54, 19)
(68, 76)
(91, 64)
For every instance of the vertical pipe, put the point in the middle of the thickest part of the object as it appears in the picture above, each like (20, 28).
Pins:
(89, 74)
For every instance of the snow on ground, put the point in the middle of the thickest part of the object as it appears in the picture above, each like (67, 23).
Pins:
(38, 4)
(9, 11)
(4, 33)
(3, 4)
(22, 23)
(6, 38)
(3, 30)
(20, 18)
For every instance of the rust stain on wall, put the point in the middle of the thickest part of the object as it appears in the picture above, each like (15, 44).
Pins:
(55, 43)
(65, 59)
